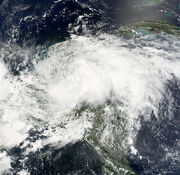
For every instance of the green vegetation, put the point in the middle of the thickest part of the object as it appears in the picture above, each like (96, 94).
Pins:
(148, 28)
(151, 2)
(108, 119)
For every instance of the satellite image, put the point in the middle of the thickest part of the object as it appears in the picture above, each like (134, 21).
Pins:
(89, 87)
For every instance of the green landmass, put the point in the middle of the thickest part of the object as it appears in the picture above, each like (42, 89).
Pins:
(151, 2)
(112, 153)
(149, 28)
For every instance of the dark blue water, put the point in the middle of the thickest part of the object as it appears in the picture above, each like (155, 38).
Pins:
(32, 22)
(158, 139)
